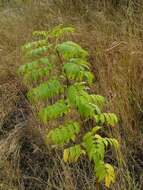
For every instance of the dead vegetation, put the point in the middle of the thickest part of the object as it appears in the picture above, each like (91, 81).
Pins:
(113, 34)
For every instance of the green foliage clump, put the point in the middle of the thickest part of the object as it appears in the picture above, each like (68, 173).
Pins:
(53, 111)
(45, 90)
(64, 133)
(77, 72)
(68, 97)
(70, 49)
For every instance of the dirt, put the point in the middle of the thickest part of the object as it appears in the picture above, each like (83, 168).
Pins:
(31, 161)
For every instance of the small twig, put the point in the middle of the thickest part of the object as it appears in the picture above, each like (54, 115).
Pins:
(116, 45)
(35, 178)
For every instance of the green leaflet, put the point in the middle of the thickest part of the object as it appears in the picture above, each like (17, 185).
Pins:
(89, 145)
(53, 111)
(110, 175)
(33, 45)
(73, 153)
(43, 34)
(77, 72)
(83, 102)
(56, 32)
(77, 89)
(63, 134)
(39, 51)
(100, 170)
(95, 147)
(109, 119)
(112, 142)
(98, 100)
(74, 71)
(45, 90)
(35, 75)
(34, 65)
(70, 49)
(35, 70)
(79, 61)
(84, 108)
(89, 77)
(95, 129)
(60, 30)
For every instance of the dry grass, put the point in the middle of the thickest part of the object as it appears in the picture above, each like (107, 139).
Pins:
(113, 35)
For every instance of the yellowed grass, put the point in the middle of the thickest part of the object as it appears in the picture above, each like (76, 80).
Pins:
(114, 39)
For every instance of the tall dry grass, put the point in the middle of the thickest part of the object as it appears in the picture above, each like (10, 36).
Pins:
(112, 31)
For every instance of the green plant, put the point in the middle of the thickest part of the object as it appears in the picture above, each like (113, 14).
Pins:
(68, 92)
